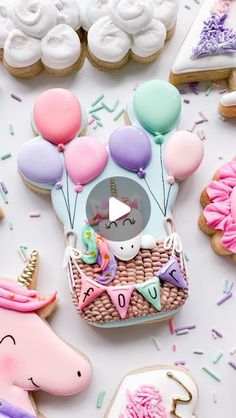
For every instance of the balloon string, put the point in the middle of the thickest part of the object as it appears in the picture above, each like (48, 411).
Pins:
(75, 207)
(68, 210)
(168, 197)
(67, 192)
(163, 182)
(150, 190)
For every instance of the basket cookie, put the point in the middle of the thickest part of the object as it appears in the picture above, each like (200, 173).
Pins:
(40, 35)
(209, 49)
(218, 218)
(127, 271)
(32, 356)
(227, 107)
(118, 30)
(158, 391)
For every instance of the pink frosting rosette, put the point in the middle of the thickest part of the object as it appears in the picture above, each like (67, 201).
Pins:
(220, 213)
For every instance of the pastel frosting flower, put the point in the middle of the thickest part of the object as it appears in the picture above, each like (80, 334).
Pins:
(220, 213)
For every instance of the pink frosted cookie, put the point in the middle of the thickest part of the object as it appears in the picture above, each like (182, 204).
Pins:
(218, 218)
(208, 51)
(129, 270)
(42, 34)
(158, 392)
(32, 356)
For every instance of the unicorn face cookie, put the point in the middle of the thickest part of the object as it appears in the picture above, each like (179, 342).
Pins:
(218, 218)
(158, 391)
(37, 35)
(130, 269)
(209, 49)
(120, 30)
(27, 361)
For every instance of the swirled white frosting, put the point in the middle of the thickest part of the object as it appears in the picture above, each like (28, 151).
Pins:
(132, 16)
(166, 11)
(150, 40)
(34, 17)
(92, 10)
(6, 24)
(20, 50)
(107, 42)
(60, 47)
(68, 12)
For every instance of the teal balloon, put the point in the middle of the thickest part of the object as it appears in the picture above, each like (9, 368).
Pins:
(157, 105)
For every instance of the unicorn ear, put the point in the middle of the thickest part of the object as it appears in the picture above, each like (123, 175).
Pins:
(135, 202)
(28, 278)
(94, 205)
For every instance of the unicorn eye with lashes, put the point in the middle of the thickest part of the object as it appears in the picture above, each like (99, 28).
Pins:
(110, 224)
(131, 221)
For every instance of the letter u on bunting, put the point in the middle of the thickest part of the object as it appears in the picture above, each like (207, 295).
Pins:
(151, 291)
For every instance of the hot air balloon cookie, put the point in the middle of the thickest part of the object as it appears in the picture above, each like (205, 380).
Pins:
(125, 266)
(28, 362)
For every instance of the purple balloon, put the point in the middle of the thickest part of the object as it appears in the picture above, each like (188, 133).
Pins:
(130, 148)
(39, 162)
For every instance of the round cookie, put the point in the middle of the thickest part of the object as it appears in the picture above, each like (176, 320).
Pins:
(159, 391)
(218, 218)
(27, 339)
(227, 107)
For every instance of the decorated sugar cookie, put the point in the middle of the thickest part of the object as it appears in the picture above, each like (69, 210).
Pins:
(227, 107)
(121, 30)
(218, 218)
(32, 356)
(42, 34)
(158, 392)
(209, 49)
(128, 268)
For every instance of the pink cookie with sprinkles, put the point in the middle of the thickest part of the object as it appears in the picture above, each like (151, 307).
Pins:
(209, 49)
(218, 218)
(32, 356)
(155, 392)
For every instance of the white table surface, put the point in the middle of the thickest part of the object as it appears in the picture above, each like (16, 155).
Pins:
(114, 352)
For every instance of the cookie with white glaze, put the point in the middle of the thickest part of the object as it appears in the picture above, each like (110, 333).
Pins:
(227, 107)
(129, 30)
(140, 277)
(42, 34)
(160, 391)
(208, 51)
(27, 340)
(218, 217)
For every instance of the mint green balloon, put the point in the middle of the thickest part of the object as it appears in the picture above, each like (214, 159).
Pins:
(157, 105)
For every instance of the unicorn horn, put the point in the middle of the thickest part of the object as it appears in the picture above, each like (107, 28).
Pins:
(28, 275)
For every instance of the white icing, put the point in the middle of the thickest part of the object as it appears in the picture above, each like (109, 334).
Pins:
(150, 40)
(21, 50)
(34, 17)
(229, 99)
(68, 12)
(60, 47)
(169, 389)
(6, 24)
(92, 10)
(185, 64)
(107, 42)
(166, 11)
(131, 16)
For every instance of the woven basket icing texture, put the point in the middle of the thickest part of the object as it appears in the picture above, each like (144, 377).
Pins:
(137, 270)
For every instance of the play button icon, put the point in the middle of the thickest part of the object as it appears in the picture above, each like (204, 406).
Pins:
(117, 209)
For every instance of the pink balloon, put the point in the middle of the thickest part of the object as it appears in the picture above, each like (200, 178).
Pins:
(85, 159)
(183, 154)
